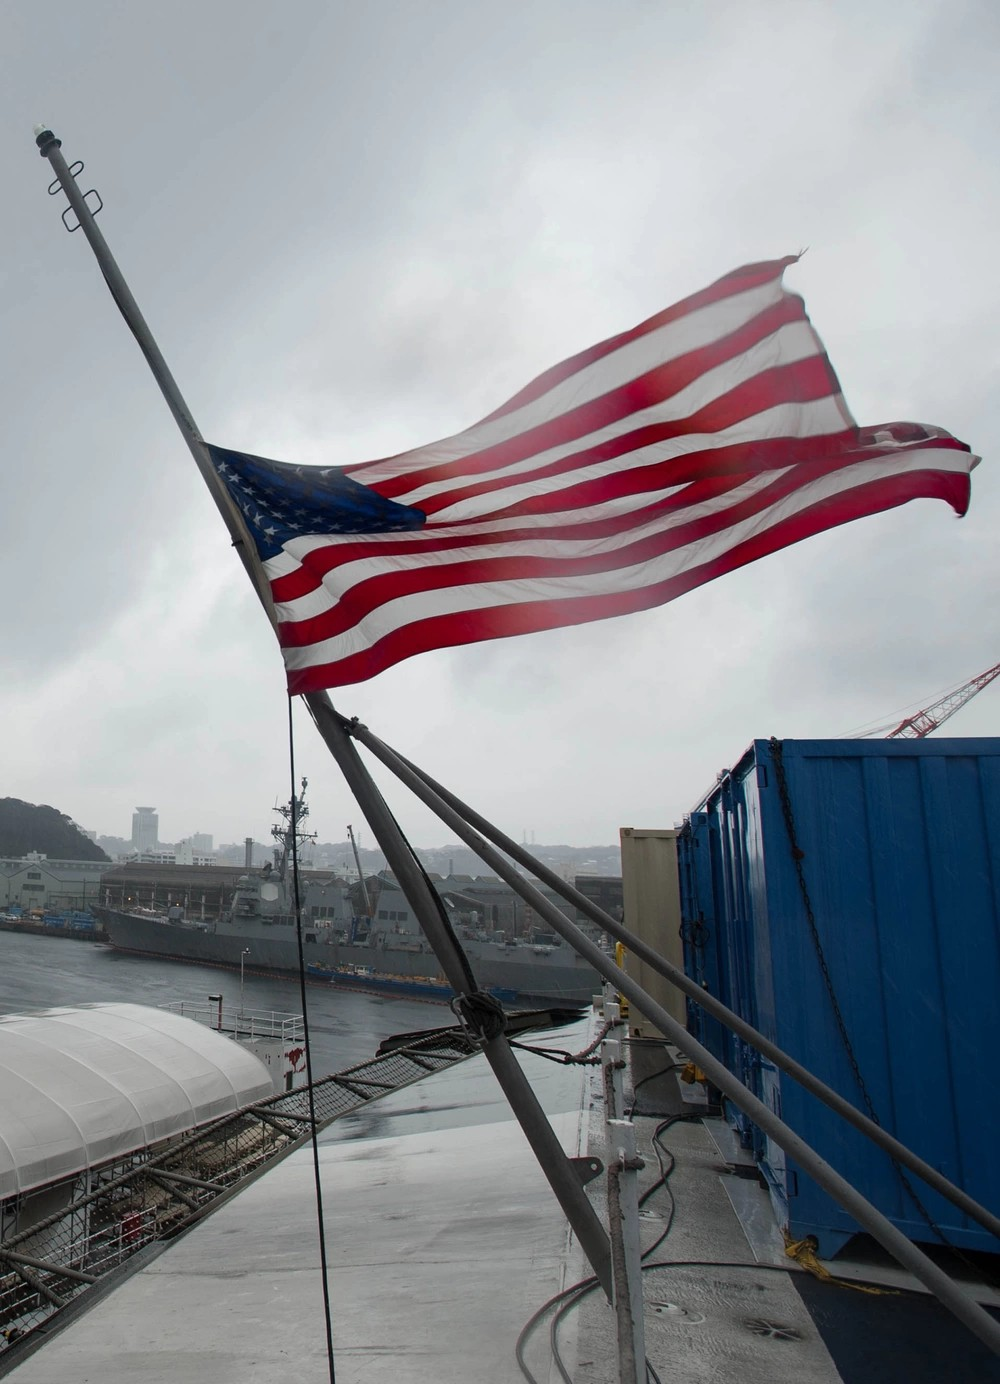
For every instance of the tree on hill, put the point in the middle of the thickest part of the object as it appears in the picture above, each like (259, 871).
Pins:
(25, 827)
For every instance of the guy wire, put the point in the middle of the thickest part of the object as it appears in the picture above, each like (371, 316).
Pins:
(321, 1229)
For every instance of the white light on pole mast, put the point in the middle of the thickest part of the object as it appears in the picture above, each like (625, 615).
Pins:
(243, 955)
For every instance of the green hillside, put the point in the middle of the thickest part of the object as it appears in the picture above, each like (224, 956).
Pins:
(25, 828)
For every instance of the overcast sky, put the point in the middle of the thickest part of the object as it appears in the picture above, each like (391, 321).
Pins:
(357, 228)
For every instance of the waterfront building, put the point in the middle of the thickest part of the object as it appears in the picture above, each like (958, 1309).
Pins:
(203, 890)
(35, 883)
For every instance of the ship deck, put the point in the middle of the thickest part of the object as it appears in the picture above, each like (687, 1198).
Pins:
(444, 1240)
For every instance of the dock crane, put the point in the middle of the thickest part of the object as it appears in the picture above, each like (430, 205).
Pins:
(921, 723)
(361, 876)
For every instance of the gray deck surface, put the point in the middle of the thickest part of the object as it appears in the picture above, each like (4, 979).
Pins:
(742, 1312)
(444, 1239)
(706, 1321)
(442, 1243)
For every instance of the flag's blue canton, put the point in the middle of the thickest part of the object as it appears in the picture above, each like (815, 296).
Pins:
(280, 502)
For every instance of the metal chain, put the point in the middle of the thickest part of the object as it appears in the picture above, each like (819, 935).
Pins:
(695, 933)
(798, 856)
(583, 1058)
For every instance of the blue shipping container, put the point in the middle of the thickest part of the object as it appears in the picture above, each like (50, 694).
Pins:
(900, 857)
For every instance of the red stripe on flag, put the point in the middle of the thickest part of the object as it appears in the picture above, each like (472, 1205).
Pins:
(367, 596)
(802, 382)
(736, 464)
(648, 390)
(450, 631)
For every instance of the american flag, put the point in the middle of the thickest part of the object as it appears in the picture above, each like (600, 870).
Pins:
(708, 436)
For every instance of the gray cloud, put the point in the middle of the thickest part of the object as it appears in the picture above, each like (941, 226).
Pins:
(356, 229)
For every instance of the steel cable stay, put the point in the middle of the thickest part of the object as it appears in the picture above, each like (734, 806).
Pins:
(313, 1121)
(428, 790)
(330, 723)
(478, 1012)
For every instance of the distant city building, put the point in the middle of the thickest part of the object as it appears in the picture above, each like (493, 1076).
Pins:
(189, 853)
(161, 855)
(202, 841)
(181, 854)
(603, 890)
(145, 829)
(202, 892)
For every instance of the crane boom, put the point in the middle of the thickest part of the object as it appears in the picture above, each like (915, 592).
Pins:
(921, 723)
(361, 875)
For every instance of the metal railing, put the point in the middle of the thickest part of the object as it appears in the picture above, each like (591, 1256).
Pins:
(236, 1022)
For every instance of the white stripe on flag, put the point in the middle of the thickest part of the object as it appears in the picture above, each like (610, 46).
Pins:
(396, 614)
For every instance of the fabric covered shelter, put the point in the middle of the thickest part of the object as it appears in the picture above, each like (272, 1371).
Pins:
(82, 1086)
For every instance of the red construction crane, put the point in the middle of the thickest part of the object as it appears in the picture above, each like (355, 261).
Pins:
(921, 723)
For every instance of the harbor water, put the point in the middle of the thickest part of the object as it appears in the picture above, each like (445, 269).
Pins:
(345, 1026)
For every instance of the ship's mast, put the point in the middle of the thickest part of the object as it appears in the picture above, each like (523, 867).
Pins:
(292, 813)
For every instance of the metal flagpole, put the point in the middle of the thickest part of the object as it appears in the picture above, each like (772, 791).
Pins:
(478, 1012)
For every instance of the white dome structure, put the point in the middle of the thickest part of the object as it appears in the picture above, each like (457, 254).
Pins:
(82, 1086)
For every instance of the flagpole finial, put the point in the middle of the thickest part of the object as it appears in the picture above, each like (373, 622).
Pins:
(46, 140)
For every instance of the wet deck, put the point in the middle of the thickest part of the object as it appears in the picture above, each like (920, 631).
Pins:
(444, 1240)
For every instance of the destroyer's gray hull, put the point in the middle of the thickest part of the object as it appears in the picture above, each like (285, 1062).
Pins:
(558, 975)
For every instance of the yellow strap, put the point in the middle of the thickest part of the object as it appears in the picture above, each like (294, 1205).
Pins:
(620, 962)
(804, 1253)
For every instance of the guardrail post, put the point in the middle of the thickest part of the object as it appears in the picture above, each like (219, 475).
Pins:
(626, 1252)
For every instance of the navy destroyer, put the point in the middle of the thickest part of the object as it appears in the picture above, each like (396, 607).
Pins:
(257, 933)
